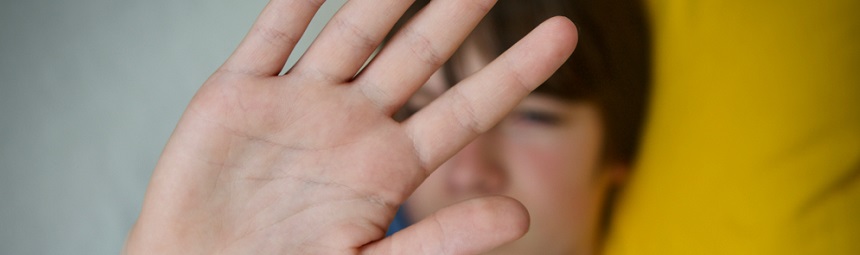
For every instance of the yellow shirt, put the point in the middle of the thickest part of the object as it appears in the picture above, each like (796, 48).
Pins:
(753, 143)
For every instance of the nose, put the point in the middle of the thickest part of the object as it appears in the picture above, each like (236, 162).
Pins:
(476, 169)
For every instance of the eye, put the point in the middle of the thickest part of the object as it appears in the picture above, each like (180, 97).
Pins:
(537, 117)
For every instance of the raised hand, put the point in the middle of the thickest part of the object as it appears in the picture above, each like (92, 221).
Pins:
(312, 162)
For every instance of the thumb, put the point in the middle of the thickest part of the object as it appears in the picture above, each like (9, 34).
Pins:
(470, 227)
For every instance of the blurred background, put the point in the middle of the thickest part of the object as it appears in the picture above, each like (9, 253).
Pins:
(90, 90)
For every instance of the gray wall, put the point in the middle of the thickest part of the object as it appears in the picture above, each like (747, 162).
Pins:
(89, 93)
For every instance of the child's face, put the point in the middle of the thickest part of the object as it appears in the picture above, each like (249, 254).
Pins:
(546, 154)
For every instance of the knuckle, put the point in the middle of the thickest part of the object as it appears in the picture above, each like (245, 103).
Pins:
(362, 39)
(423, 49)
(276, 36)
(375, 94)
(466, 114)
(520, 82)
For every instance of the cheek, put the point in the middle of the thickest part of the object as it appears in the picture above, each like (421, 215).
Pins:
(554, 182)
(552, 170)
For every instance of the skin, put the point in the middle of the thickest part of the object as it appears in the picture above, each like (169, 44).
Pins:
(311, 162)
(546, 154)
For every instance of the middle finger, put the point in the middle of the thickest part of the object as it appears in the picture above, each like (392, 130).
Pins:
(419, 49)
(349, 38)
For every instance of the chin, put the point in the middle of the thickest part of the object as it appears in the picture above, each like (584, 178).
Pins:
(520, 248)
(543, 243)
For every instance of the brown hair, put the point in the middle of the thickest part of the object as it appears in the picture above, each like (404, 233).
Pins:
(610, 67)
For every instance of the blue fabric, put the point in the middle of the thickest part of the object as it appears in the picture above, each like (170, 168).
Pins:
(400, 222)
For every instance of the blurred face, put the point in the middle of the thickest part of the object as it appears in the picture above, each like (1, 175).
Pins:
(546, 154)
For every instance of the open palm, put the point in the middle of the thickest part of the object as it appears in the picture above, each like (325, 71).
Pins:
(312, 162)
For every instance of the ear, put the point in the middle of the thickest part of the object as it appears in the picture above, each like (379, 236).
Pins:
(616, 174)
